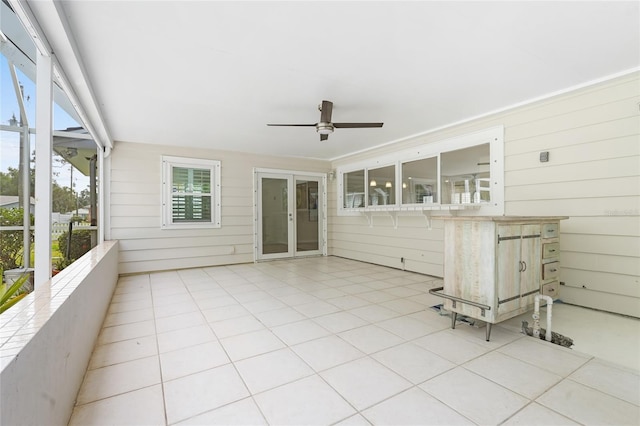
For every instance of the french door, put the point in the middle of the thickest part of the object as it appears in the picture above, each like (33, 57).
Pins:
(290, 215)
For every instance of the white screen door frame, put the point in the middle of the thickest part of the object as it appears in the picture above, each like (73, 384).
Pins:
(290, 214)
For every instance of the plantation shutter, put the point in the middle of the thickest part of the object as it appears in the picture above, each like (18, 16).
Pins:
(191, 195)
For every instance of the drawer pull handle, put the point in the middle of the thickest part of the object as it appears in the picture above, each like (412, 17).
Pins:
(552, 270)
(552, 251)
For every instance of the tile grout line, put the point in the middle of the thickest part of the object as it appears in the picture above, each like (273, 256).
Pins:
(155, 327)
(306, 285)
(232, 363)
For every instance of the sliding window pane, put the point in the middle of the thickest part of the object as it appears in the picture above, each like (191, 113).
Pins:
(465, 175)
(382, 183)
(353, 185)
(420, 181)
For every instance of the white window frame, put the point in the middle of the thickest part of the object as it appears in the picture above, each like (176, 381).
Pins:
(168, 163)
(494, 136)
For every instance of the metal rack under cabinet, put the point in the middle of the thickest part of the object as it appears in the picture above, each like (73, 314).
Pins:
(495, 265)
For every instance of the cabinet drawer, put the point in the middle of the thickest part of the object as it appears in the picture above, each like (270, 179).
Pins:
(550, 250)
(551, 289)
(549, 230)
(550, 270)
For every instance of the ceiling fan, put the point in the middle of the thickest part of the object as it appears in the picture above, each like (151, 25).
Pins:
(325, 126)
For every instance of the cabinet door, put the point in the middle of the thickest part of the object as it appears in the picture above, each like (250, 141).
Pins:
(530, 256)
(509, 267)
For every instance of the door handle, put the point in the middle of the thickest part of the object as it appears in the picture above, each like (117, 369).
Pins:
(523, 266)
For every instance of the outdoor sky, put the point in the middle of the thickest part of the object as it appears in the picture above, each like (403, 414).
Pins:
(10, 145)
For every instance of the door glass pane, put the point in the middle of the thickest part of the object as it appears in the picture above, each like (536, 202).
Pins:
(353, 189)
(275, 232)
(420, 181)
(382, 186)
(306, 215)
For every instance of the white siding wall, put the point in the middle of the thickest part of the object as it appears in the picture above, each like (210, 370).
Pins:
(135, 208)
(593, 176)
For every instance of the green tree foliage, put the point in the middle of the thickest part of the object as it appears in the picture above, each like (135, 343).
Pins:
(80, 244)
(11, 243)
(9, 181)
(84, 198)
(64, 200)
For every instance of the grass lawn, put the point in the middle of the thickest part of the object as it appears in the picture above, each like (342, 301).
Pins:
(55, 253)
(55, 249)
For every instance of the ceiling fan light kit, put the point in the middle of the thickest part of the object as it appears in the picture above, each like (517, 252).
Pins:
(325, 127)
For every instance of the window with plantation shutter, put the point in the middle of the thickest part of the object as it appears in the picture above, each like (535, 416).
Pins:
(191, 193)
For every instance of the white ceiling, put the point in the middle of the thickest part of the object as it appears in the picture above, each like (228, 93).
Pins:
(212, 74)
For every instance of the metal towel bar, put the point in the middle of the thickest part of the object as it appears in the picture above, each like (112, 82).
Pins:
(483, 308)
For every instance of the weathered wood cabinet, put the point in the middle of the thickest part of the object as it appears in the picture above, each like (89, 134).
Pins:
(494, 266)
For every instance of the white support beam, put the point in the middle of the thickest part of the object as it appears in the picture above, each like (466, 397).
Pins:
(19, 95)
(46, 22)
(25, 175)
(104, 212)
(44, 150)
(21, 51)
(72, 135)
(25, 14)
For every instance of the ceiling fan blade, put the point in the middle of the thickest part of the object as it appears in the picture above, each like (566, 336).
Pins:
(295, 125)
(355, 125)
(324, 137)
(325, 112)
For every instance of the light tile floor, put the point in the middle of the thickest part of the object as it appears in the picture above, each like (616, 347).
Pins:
(328, 341)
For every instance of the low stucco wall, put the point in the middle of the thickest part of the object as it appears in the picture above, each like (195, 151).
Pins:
(46, 340)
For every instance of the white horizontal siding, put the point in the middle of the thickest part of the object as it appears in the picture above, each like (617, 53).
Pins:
(570, 206)
(128, 267)
(604, 301)
(602, 281)
(603, 225)
(186, 242)
(125, 234)
(576, 118)
(135, 209)
(593, 176)
(575, 172)
(589, 188)
(611, 245)
(595, 132)
(613, 264)
(606, 149)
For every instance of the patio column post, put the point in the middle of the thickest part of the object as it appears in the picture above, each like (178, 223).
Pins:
(44, 148)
